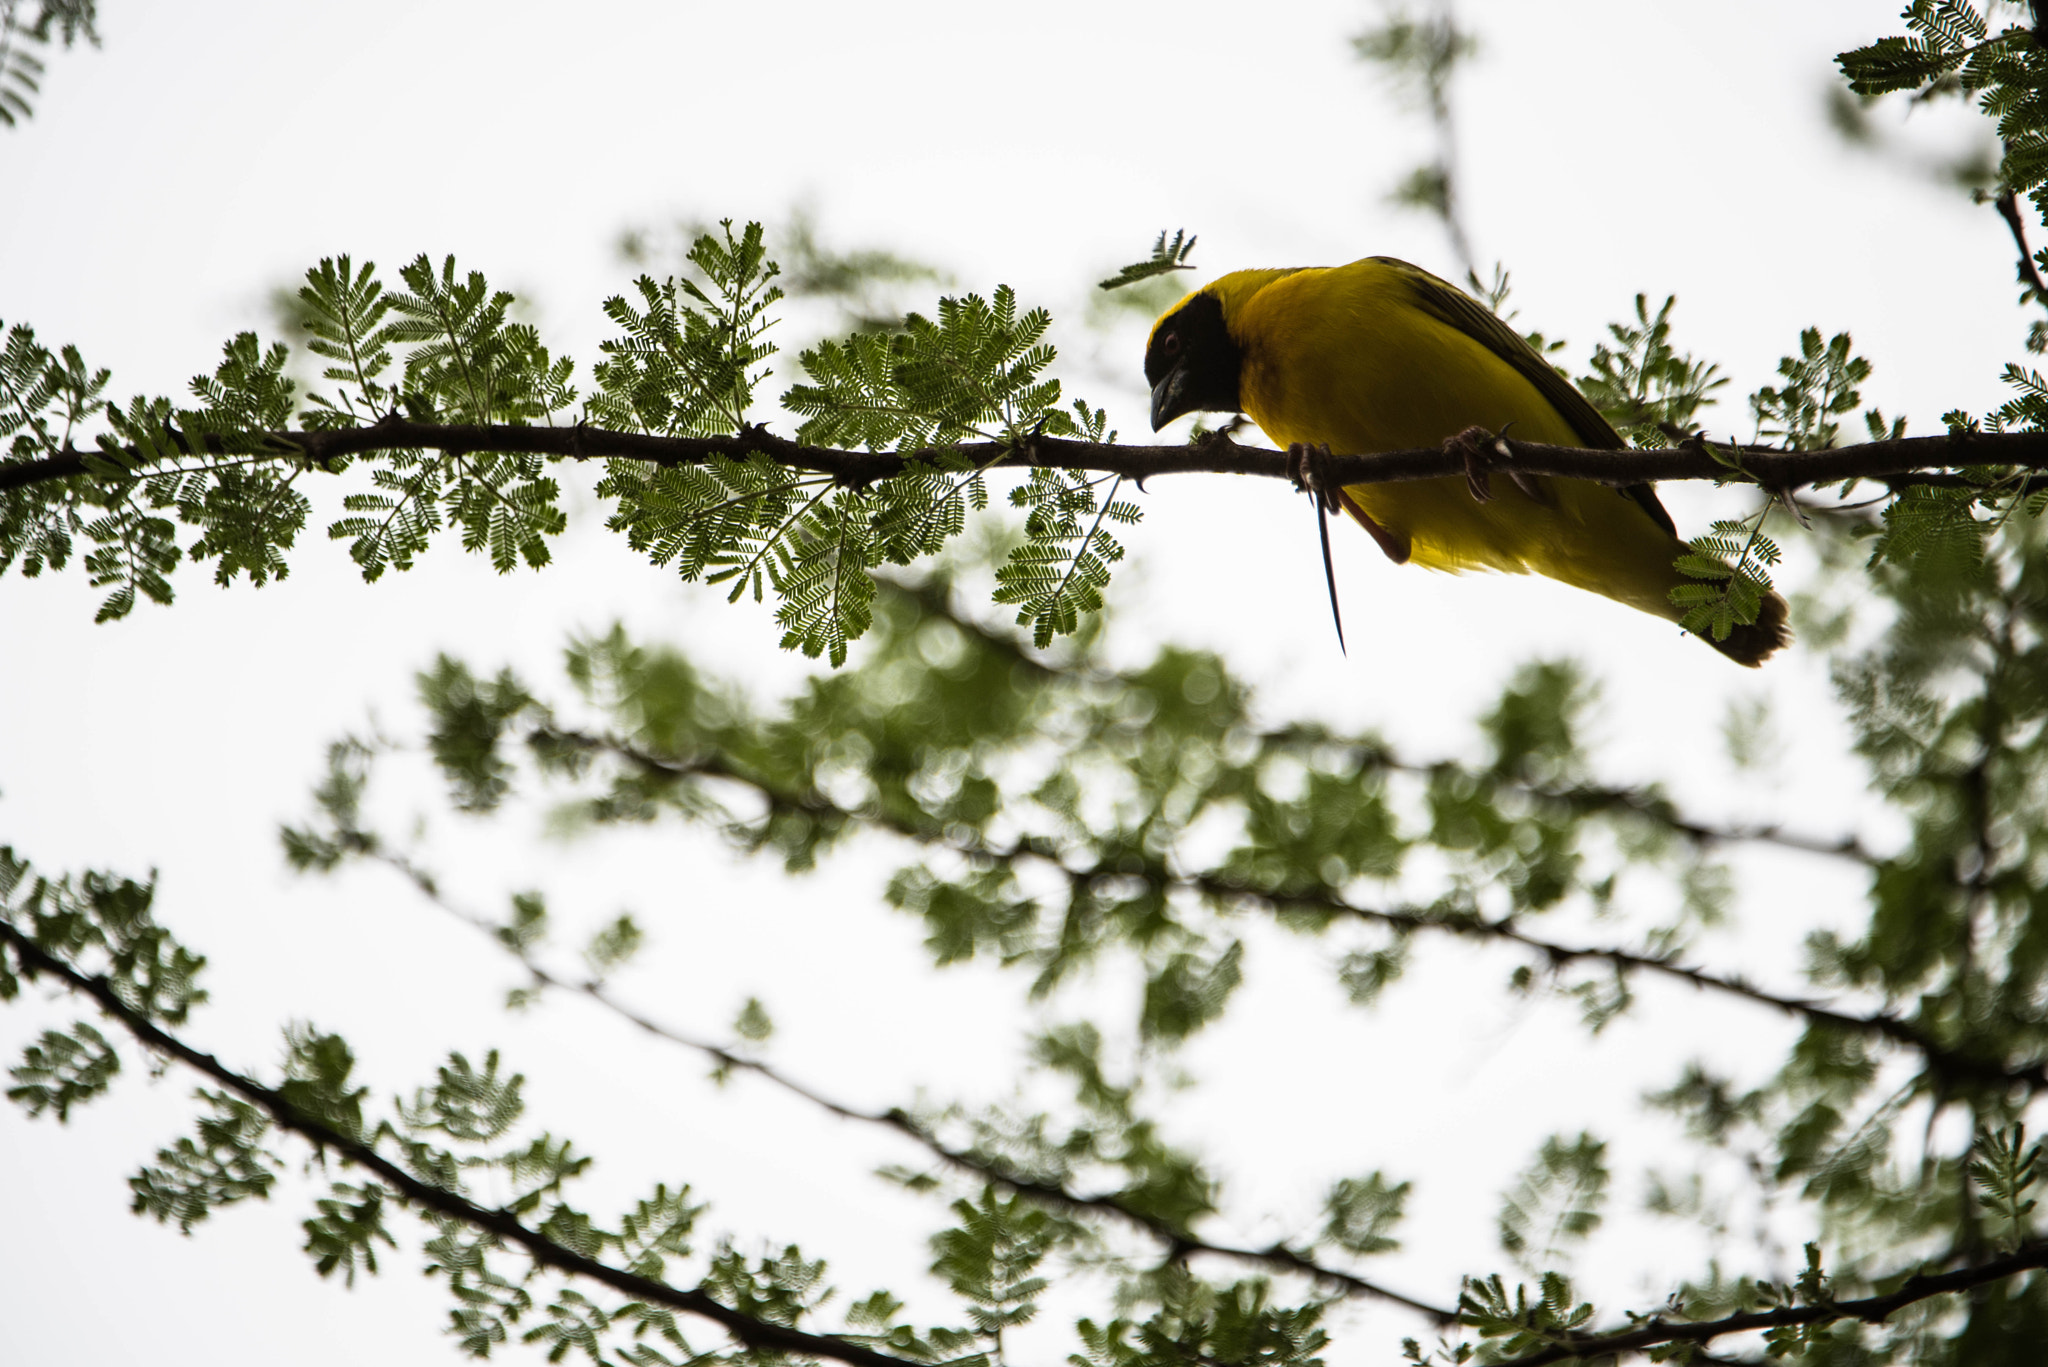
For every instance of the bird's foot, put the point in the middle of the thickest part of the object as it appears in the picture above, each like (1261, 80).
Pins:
(1308, 466)
(1483, 452)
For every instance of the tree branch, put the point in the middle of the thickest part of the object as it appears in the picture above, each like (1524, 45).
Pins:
(1179, 1241)
(1940, 1057)
(755, 1333)
(1901, 461)
(1871, 1310)
(1588, 799)
(2033, 1075)
(1579, 798)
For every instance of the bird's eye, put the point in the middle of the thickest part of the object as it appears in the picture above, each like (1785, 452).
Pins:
(1170, 344)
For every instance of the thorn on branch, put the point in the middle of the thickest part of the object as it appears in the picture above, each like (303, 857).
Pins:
(1309, 467)
(1031, 450)
(1784, 497)
(1218, 438)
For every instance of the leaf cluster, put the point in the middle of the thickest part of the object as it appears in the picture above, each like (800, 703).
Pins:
(21, 69)
(1050, 810)
(1557, 1201)
(1228, 1326)
(691, 355)
(107, 925)
(1058, 812)
(1047, 806)
(1820, 387)
(1645, 386)
(1166, 257)
(1949, 49)
(1733, 566)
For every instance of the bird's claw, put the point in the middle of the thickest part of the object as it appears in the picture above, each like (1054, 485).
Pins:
(1484, 451)
(1308, 467)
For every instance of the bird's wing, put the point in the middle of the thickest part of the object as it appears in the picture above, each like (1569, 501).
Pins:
(1453, 307)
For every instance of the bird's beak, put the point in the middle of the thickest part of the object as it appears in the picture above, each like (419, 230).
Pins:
(1169, 397)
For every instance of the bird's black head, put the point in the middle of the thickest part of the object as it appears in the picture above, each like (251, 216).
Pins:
(1192, 362)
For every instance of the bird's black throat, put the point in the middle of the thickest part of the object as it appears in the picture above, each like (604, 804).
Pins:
(1193, 362)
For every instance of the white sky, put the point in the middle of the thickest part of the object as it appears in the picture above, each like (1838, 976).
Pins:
(212, 151)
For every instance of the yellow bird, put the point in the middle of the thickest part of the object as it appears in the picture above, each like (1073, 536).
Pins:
(1380, 355)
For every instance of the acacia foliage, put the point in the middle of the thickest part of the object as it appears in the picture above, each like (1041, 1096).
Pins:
(143, 486)
(223, 481)
(1055, 813)
(23, 40)
(228, 481)
(1052, 813)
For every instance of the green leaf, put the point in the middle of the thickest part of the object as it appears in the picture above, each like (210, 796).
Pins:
(1166, 256)
(691, 357)
(2005, 1167)
(1362, 1212)
(1556, 1202)
(345, 1233)
(468, 1104)
(753, 1024)
(344, 312)
(990, 1259)
(1059, 572)
(62, 1070)
(1733, 564)
(224, 1164)
(1643, 385)
(613, 945)
(471, 717)
(1820, 388)
(1188, 991)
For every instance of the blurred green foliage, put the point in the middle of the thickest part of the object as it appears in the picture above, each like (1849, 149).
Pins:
(1051, 811)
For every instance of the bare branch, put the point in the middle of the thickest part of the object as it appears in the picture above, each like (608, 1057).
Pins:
(1941, 1058)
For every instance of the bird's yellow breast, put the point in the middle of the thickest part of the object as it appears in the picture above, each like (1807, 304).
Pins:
(1347, 356)
(1346, 352)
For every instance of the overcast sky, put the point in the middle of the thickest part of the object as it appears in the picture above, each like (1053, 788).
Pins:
(212, 151)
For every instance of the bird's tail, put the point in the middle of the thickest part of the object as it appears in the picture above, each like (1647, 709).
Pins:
(1753, 644)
